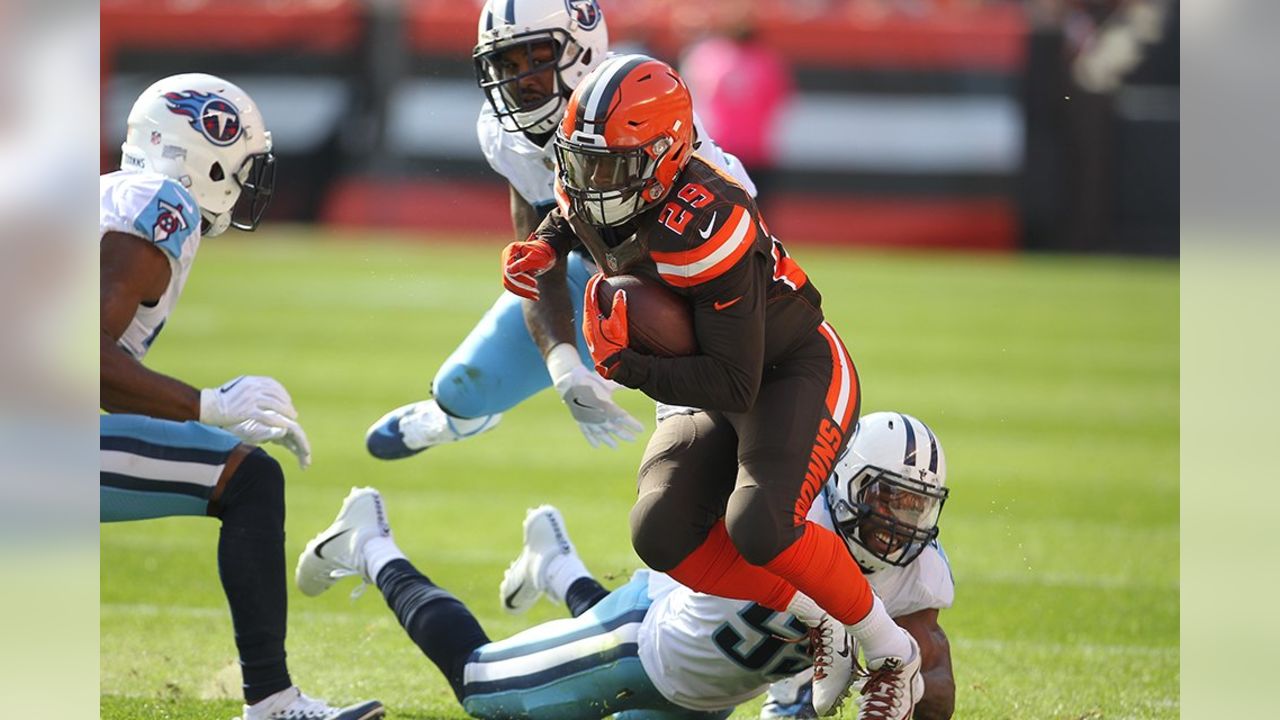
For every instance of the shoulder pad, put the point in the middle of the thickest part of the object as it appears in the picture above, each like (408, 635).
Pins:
(714, 240)
(169, 217)
(528, 168)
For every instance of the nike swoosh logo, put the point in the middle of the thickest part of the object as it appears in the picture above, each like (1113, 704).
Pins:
(845, 651)
(329, 540)
(580, 404)
(512, 595)
(231, 384)
(706, 233)
(725, 305)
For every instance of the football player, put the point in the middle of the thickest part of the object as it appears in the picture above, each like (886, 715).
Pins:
(723, 493)
(884, 500)
(196, 160)
(653, 648)
(529, 56)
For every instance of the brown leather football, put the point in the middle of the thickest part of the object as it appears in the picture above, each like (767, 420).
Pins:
(659, 321)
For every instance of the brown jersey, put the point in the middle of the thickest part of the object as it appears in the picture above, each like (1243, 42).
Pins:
(751, 302)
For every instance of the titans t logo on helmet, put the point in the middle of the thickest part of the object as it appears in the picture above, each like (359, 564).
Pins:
(215, 117)
(586, 12)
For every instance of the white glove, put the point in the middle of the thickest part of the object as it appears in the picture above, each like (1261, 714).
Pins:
(589, 398)
(256, 409)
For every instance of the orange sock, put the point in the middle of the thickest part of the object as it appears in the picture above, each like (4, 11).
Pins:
(717, 568)
(820, 566)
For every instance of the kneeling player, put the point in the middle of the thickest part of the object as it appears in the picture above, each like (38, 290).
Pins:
(196, 146)
(654, 648)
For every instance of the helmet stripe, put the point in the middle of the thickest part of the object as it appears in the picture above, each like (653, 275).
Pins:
(600, 94)
(510, 15)
(488, 18)
(909, 457)
(933, 449)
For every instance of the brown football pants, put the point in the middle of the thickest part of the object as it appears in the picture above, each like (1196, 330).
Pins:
(760, 470)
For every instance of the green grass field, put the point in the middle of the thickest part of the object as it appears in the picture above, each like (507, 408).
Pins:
(1052, 382)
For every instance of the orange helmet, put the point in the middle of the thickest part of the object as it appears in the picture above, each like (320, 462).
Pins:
(626, 134)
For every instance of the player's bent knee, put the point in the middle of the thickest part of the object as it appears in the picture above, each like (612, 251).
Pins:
(655, 535)
(758, 531)
(253, 497)
(464, 391)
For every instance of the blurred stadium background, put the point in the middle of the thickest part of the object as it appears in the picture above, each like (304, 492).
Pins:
(992, 124)
(969, 181)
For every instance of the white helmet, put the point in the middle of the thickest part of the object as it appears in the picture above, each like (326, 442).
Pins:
(577, 33)
(207, 134)
(887, 490)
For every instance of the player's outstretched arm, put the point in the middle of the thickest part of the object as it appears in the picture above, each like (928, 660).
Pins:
(549, 320)
(939, 699)
(256, 409)
(134, 271)
(550, 317)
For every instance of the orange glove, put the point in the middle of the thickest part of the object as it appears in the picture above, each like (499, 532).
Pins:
(606, 336)
(522, 263)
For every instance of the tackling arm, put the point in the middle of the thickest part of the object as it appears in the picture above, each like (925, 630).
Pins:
(550, 318)
(134, 271)
(939, 699)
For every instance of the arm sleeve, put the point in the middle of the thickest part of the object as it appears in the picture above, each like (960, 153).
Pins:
(728, 318)
(557, 232)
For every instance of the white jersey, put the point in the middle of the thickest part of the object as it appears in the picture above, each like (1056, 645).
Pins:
(161, 211)
(531, 169)
(709, 653)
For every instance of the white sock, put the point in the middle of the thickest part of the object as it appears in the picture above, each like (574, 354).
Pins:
(803, 607)
(879, 636)
(378, 551)
(560, 573)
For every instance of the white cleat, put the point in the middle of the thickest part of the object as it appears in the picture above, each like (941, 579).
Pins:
(790, 697)
(545, 540)
(833, 664)
(412, 428)
(893, 687)
(291, 704)
(336, 552)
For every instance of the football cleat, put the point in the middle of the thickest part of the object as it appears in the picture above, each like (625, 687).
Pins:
(291, 704)
(893, 687)
(833, 665)
(412, 428)
(790, 698)
(545, 540)
(337, 551)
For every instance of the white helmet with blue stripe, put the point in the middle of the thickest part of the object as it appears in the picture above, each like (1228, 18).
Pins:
(887, 490)
(565, 39)
(207, 134)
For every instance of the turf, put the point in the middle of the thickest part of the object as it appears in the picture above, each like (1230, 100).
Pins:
(1052, 382)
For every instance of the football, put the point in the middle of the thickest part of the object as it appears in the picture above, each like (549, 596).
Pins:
(659, 321)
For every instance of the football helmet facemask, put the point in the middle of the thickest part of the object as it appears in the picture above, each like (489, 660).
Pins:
(888, 489)
(207, 134)
(626, 134)
(530, 54)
